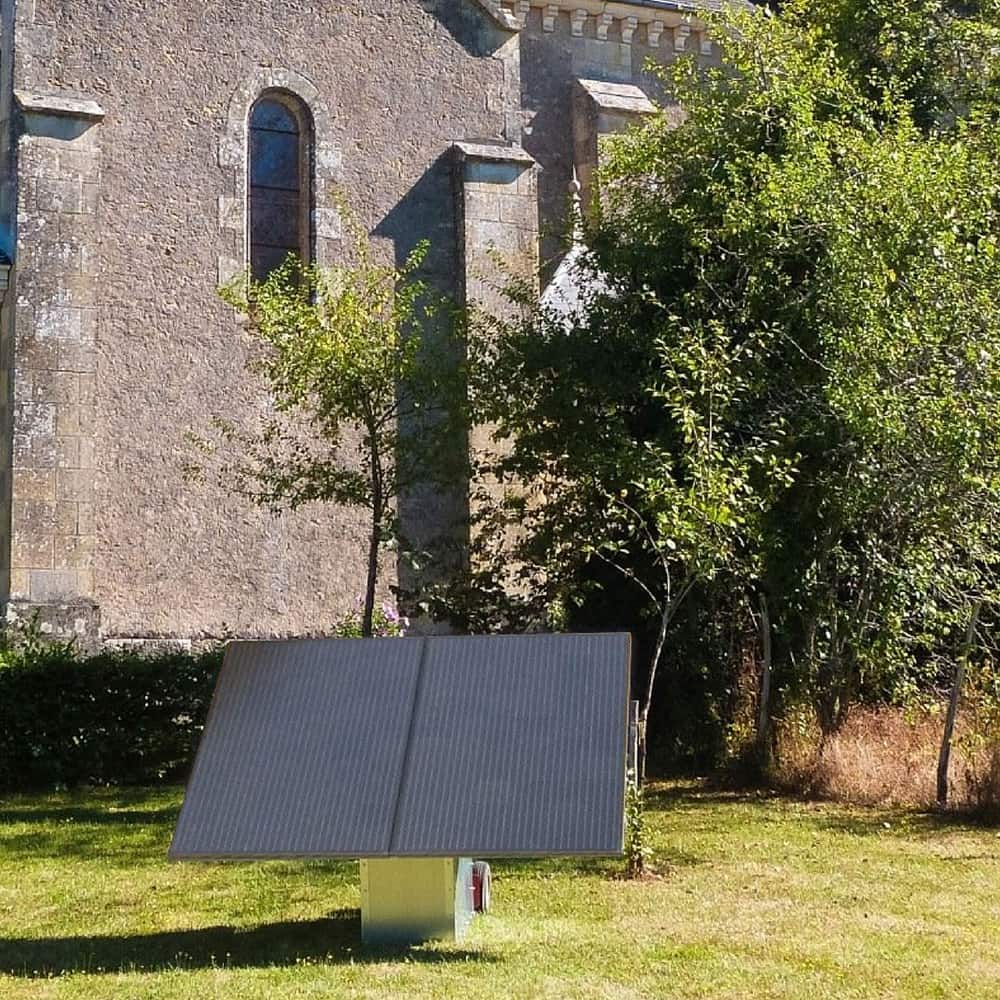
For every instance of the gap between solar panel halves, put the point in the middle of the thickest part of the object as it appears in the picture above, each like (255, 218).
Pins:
(438, 746)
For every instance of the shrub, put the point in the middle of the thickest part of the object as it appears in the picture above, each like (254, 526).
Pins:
(119, 717)
(637, 851)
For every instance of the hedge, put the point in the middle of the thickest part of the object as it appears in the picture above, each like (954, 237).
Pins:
(113, 718)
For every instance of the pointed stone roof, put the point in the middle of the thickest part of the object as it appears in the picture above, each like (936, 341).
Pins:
(577, 279)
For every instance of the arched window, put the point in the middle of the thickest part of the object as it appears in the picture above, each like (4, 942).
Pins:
(280, 172)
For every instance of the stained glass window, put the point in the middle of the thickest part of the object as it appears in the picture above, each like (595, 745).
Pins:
(279, 183)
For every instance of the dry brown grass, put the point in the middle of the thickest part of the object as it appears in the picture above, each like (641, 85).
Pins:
(888, 756)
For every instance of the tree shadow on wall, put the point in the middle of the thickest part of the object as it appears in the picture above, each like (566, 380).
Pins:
(335, 939)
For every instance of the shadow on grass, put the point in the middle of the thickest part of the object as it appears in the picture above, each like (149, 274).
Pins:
(335, 939)
(692, 793)
(822, 814)
(67, 831)
(548, 868)
(873, 821)
(829, 815)
(85, 816)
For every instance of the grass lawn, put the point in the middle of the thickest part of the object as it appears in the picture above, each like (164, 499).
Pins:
(757, 897)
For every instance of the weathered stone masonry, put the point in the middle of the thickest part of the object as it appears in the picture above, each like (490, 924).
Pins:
(52, 359)
(123, 204)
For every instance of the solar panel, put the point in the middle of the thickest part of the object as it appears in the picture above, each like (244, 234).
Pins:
(518, 747)
(302, 750)
(482, 745)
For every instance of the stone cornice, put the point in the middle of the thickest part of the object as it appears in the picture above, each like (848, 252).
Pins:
(32, 103)
(493, 152)
(667, 24)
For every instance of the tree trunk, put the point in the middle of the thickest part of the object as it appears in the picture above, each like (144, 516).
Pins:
(374, 537)
(944, 757)
(661, 640)
(372, 579)
(764, 706)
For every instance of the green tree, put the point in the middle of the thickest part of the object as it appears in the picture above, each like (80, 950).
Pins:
(939, 56)
(787, 382)
(618, 440)
(805, 202)
(361, 363)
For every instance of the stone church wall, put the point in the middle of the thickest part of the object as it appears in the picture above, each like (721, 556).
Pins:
(126, 222)
(565, 42)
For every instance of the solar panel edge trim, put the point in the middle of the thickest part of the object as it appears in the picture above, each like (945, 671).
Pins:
(172, 853)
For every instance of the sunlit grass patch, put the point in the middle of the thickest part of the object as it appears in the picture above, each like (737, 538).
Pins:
(755, 897)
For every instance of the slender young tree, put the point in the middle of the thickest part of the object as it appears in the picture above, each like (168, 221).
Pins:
(362, 366)
(944, 756)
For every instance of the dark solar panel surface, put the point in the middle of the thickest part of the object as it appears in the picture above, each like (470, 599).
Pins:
(500, 745)
(302, 752)
(518, 747)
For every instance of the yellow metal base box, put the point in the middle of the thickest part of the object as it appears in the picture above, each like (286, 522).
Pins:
(411, 900)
